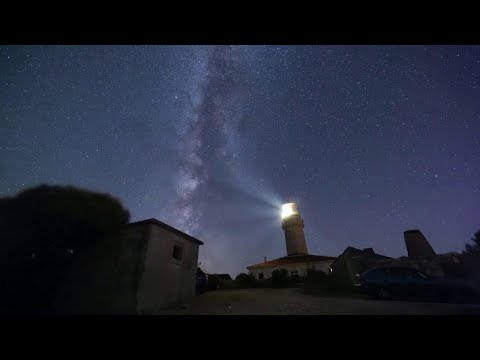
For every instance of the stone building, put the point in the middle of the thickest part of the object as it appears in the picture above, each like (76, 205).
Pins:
(168, 264)
(417, 244)
(354, 261)
(148, 266)
(421, 256)
(298, 261)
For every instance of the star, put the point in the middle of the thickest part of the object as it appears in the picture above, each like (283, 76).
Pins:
(213, 139)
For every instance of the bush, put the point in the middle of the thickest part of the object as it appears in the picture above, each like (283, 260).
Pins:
(227, 284)
(243, 281)
(263, 283)
(45, 231)
(280, 279)
(315, 276)
(213, 283)
(321, 283)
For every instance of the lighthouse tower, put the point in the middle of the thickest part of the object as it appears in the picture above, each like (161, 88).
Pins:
(292, 225)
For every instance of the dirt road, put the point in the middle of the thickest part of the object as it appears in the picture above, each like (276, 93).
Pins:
(294, 302)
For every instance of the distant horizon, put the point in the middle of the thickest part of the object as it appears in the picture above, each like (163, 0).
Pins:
(132, 220)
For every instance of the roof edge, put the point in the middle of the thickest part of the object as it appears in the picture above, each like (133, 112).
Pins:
(153, 221)
(268, 263)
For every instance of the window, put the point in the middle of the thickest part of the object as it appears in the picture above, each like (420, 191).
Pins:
(399, 274)
(419, 276)
(260, 276)
(376, 275)
(411, 273)
(294, 274)
(177, 252)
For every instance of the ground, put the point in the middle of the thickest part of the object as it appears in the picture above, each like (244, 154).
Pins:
(294, 302)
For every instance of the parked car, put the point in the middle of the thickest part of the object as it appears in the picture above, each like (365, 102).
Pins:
(388, 282)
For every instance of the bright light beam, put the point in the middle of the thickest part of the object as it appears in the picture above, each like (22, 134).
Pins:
(289, 210)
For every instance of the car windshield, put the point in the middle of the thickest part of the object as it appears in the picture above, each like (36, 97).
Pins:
(376, 274)
(419, 275)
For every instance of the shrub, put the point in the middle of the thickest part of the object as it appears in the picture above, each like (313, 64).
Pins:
(315, 276)
(213, 283)
(45, 231)
(263, 283)
(244, 281)
(321, 283)
(280, 279)
(227, 284)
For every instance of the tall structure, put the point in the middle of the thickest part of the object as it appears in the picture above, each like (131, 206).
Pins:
(292, 225)
(417, 244)
(297, 262)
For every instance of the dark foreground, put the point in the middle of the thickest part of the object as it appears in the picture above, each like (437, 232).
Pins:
(294, 302)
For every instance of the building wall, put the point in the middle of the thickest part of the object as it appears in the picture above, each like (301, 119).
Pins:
(166, 280)
(300, 268)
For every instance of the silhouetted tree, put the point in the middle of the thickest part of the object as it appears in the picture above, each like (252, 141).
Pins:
(476, 243)
(42, 231)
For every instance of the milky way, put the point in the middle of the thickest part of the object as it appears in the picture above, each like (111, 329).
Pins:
(211, 121)
(368, 140)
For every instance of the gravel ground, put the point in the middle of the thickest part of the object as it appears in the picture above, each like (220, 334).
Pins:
(294, 302)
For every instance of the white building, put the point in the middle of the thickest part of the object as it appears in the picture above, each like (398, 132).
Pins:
(298, 261)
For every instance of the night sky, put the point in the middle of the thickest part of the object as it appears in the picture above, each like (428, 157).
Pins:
(369, 141)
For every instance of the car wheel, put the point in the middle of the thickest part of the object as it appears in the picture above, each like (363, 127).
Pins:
(383, 294)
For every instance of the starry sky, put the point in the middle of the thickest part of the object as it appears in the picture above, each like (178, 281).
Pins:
(369, 141)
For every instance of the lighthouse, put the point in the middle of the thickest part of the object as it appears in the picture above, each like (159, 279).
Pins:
(292, 225)
(298, 261)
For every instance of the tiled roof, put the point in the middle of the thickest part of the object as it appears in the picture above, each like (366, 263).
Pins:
(287, 260)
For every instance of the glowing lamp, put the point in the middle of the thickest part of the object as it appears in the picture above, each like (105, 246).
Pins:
(289, 210)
